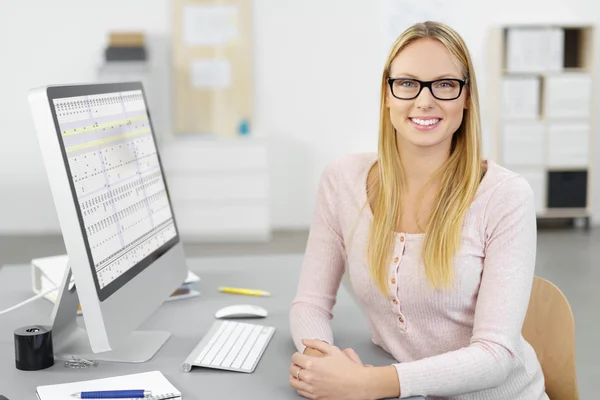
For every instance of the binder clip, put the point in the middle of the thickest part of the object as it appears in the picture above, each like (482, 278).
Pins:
(80, 363)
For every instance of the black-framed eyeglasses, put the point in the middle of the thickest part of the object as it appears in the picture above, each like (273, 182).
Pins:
(441, 89)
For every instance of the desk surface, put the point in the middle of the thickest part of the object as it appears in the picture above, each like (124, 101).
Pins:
(188, 320)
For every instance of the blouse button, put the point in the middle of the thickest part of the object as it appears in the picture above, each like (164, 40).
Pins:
(402, 238)
(401, 319)
(393, 280)
(396, 259)
(395, 301)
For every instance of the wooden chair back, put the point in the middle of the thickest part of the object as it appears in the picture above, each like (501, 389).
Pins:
(550, 329)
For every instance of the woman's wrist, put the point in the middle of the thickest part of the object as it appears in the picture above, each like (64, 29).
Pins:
(381, 382)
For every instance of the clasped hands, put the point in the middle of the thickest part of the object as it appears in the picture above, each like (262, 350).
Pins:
(326, 372)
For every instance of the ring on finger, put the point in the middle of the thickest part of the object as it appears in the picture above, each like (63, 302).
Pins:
(298, 373)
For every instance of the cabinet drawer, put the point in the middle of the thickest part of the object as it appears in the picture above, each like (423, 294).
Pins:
(218, 186)
(223, 222)
(198, 155)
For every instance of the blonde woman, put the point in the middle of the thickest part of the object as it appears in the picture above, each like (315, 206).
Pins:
(439, 246)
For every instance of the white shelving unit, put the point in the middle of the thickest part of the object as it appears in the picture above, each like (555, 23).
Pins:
(541, 92)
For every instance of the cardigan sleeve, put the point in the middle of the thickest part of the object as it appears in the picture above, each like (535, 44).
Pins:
(322, 268)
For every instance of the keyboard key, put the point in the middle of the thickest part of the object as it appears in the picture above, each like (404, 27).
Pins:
(225, 349)
(218, 344)
(237, 347)
(210, 343)
(247, 347)
(256, 349)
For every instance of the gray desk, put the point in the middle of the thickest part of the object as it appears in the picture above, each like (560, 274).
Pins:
(188, 320)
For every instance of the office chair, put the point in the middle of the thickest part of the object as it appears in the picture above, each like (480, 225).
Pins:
(550, 329)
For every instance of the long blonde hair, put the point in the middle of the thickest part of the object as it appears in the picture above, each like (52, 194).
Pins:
(458, 177)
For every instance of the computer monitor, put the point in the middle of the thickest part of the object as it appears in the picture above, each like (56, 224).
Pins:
(115, 214)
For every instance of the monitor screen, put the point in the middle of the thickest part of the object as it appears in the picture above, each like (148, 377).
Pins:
(116, 177)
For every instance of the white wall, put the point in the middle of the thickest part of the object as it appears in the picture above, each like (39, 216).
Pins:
(318, 65)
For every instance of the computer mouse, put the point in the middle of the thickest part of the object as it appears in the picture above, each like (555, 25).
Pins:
(241, 311)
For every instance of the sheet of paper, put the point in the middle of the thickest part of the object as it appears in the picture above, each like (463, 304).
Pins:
(210, 24)
(523, 144)
(210, 74)
(520, 97)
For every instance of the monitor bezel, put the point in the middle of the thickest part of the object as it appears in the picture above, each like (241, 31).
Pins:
(59, 92)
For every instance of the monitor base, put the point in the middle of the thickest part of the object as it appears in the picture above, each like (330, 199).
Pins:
(71, 340)
(139, 347)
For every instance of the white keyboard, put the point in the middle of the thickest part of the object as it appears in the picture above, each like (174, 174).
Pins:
(230, 345)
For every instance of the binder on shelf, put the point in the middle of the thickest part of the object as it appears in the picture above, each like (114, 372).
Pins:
(521, 97)
(567, 189)
(523, 143)
(125, 46)
(568, 145)
(555, 40)
(535, 49)
(568, 95)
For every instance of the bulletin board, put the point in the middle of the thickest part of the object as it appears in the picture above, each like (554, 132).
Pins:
(212, 67)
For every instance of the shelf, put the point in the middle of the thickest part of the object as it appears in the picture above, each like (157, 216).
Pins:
(567, 168)
(541, 73)
(564, 213)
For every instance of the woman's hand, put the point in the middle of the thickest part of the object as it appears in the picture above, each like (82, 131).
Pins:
(309, 351)
(336, 375)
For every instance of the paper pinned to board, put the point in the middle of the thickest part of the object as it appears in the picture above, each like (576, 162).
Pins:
(210, 73)
(210, 24)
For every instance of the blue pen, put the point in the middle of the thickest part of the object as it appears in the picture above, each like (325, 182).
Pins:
(113, 394)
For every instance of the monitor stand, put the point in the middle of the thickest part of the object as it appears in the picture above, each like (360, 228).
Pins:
(70, 340)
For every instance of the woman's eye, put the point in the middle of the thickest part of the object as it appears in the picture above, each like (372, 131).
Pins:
(445, 84)
(407, 83)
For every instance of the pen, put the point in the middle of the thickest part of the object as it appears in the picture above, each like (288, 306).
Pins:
(113, 394)
(247, 292)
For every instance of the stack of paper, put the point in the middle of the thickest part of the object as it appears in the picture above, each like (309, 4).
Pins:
(568, 145)
(48, 272)
(523, 143)
(568, 95)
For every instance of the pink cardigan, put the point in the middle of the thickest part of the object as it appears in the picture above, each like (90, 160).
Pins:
(462, 343)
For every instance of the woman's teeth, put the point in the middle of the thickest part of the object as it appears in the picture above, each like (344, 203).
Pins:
(424, 122)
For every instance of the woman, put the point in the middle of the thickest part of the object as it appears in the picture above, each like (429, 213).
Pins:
(439, 246)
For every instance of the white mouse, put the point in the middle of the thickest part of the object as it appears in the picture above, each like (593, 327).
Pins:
(241, 311)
